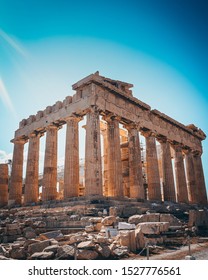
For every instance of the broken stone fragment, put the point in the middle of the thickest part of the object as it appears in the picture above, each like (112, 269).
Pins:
(153, 227)
(89, 228)
(108, 221)
(86, 244)
(38, 247)
(123, 225)
(51, 234)
(42, 256)
(65, 252)
(87, 255)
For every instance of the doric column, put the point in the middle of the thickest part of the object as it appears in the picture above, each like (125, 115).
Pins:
(181, 187)
(15, 192)
(167, 171)
(32, 170)
(103, 129)
(115, 182)
(4, 178)
(200, 182)
(135, 163)
(191, 177)
(49, 191)
(71, 168)
(153, 176)
(93, 164)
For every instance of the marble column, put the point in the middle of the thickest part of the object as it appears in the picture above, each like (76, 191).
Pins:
(4, 178)
(181, 186)
(135, 163)
(115, 180)
(15, 192)
(191, 177)
(93, 163)
(153, 177)
(49, 191)
(71, 167)
(32, 170)
(103, 128)
(200, 182)
(167, 171)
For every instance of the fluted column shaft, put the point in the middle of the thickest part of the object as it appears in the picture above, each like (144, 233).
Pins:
(135, 164)
(4, 178)
(191, 177)
(71, 168)
(181, 187)
(200, 182)
(32, 170)
(105, 158)
(93, 164)
(49, 191)
(153, 176)
(115, 182)
(167, 172)
(15, 192)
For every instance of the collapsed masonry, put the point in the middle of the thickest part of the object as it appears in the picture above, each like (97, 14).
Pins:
(98, 97)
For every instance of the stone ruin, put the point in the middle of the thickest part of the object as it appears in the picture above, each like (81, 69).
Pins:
(99, 97)
(138, 209)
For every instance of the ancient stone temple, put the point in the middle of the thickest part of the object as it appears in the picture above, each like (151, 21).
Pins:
(109, 107)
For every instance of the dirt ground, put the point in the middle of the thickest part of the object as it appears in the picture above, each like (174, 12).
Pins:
(198, 250)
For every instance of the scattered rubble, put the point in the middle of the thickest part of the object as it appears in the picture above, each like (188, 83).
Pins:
(38, 233)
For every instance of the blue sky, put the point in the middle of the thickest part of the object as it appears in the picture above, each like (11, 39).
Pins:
(160, 46)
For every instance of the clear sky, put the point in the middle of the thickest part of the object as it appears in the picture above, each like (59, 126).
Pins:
(160, 46)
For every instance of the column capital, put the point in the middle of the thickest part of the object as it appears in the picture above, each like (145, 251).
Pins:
(196, 153)
(111, 117)
(132, 125)
(21, 140)
(147, 133)
(161, 139)
(73, 117)
(52, 126)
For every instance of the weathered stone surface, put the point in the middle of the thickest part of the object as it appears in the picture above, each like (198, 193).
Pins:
(29, 233)
(104, 251)
(86, 255)
(89, 228)
(123, 225)
(52, 248)
(198, 218)
(139, 238)
(127, 238)
(51, 234)
(42, 256)
(86, 244)
(154, 217)
(18, 253)
(121, 251)
(65, 252)
(153, 227)
(108, 221)
(38, 247)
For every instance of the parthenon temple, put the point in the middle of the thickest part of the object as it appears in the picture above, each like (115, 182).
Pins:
(109, 108)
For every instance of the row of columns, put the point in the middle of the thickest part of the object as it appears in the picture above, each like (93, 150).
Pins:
(193, 191)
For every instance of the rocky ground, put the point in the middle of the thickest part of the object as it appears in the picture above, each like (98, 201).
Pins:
(98, 229)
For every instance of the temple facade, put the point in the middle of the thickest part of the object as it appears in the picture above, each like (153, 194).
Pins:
(108, 106)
